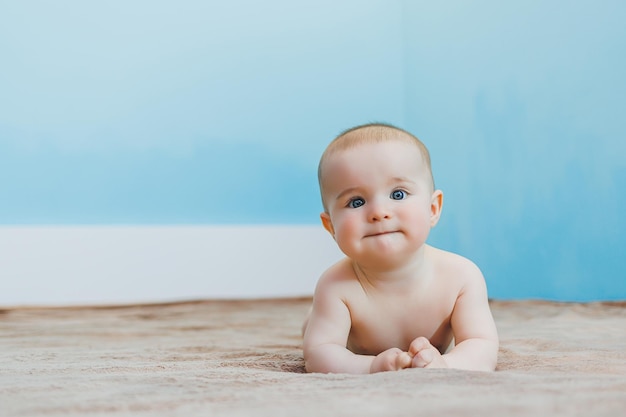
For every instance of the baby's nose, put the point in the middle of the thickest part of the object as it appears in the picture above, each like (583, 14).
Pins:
(379, 211)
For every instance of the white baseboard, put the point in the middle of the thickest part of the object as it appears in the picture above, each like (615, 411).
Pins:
(73, 265)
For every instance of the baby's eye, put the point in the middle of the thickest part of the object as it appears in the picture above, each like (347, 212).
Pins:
(398, 195)
(356, 202)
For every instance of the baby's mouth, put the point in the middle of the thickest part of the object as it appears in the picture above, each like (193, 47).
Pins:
(382, 233)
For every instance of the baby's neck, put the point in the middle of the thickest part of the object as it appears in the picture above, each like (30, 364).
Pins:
(399, 278)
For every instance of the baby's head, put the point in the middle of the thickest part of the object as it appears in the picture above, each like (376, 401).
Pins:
(366, 134)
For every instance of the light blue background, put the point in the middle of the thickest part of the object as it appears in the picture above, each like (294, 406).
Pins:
(196, 112)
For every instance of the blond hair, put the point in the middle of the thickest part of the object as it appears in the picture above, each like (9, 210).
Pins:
(370, 133)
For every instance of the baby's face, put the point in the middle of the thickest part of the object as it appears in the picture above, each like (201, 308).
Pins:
(379, 201)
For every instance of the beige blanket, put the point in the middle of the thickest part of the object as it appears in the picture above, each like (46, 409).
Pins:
(244, 358)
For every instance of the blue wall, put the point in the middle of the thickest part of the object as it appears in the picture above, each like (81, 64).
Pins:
(198, 112)
(184, 112)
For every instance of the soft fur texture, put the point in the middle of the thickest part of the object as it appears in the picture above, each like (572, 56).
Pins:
(244, 358)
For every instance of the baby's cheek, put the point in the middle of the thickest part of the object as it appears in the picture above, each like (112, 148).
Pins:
(345, 232)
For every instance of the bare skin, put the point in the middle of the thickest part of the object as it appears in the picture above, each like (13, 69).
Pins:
(357, 327)
(394, 302)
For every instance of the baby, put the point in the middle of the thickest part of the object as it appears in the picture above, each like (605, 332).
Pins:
(393, 302)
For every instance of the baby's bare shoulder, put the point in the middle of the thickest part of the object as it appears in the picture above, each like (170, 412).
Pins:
(454, 266)
(339, 276)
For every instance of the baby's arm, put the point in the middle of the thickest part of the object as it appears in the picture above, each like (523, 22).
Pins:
(326, 336)
(475, 333)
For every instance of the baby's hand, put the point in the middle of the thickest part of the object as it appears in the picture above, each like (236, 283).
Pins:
(425, 355)
(392, 359)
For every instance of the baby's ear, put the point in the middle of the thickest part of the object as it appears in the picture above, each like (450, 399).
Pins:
(327, 223)
(436, 204)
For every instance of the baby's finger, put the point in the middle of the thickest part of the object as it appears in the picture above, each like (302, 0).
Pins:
(403, 360)
(418, 345)
(423, 358)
